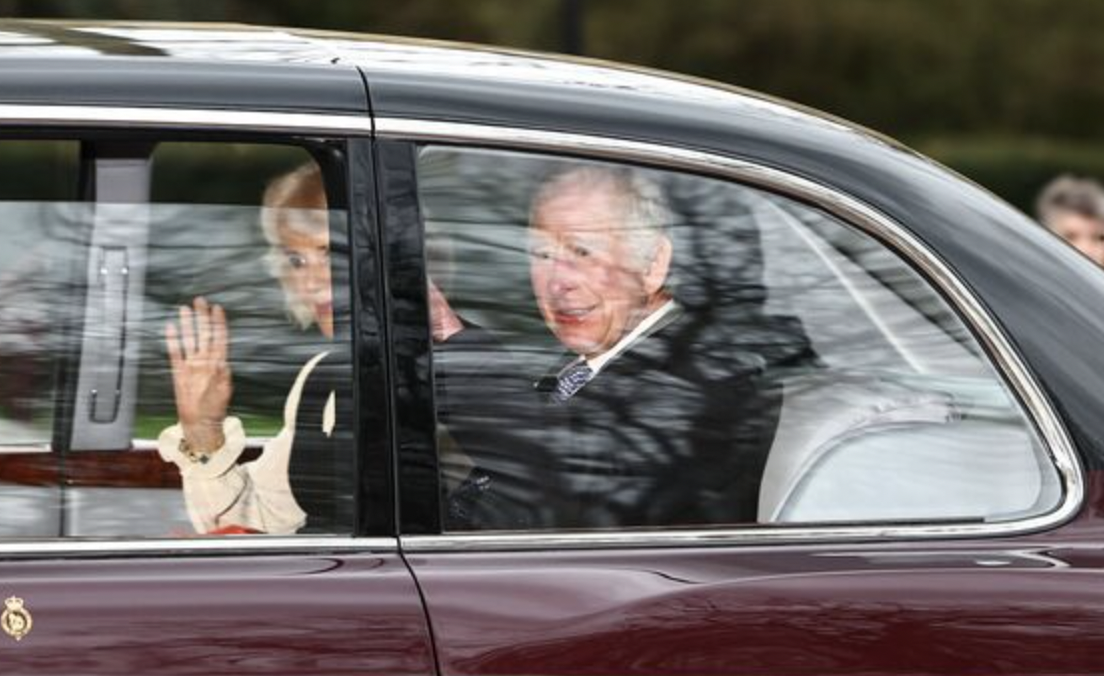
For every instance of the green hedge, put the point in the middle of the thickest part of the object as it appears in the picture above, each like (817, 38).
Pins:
(1015, 169)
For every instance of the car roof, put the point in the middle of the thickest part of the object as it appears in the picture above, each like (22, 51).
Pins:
(234, 65)
(256, 68)
(230, 66)
(173, 65)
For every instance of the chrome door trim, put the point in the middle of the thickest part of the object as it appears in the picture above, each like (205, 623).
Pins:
(1010, 365)
(92, 117)
(186, 546)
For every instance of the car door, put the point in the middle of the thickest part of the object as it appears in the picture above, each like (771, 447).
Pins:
(119, 241)
(893, 500)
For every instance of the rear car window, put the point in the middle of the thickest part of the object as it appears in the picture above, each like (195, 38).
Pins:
(635, 348)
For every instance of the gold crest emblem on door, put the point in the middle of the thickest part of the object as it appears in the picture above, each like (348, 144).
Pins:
(15, 620)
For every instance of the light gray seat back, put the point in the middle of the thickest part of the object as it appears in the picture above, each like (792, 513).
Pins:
(854, 448)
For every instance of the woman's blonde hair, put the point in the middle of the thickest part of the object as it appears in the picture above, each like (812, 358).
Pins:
(296, 201)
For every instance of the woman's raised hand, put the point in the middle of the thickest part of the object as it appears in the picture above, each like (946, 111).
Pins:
(198, 349)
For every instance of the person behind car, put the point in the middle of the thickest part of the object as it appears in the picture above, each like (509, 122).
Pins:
(654, 416)
(267, 494)
(1073, 209)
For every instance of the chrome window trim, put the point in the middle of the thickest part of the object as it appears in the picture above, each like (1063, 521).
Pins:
(1007, 361)
(94, 117)
(221, 545)
(205, 119)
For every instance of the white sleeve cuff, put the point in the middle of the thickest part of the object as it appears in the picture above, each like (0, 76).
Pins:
(203, 465)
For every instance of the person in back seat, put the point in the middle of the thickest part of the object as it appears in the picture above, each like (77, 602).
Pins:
(658, 414)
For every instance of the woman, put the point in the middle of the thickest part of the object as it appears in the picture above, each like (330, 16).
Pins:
(222, 495)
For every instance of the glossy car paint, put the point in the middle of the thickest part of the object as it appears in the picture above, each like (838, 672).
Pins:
(1024, 604)
(164, 66)
(810, 609)
(264, 614)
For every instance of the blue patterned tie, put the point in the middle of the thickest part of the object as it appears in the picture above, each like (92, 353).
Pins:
(571, 380)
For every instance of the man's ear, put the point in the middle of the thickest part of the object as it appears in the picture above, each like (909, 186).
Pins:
(656, 274)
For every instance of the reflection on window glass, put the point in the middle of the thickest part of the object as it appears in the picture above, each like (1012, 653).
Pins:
(621, 347)
(180, 367)
(33, 275)
(35, 260)
(37, 255)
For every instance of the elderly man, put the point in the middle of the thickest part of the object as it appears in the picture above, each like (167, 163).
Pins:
(600, 261)
(654, 417)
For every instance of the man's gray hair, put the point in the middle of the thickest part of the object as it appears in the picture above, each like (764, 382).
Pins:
(647, 214)
(1069, 194)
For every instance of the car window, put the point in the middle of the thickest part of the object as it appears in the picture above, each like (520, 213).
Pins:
(174, 326)
(620, 347)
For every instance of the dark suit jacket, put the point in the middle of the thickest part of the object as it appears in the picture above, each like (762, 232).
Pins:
(488, 409)
(673, 431)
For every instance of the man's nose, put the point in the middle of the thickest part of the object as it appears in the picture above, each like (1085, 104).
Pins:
(563, 275)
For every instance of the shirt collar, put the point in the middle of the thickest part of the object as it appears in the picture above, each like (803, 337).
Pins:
(598, 363)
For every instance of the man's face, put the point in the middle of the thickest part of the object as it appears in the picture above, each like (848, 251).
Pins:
(589, 287)
(1083, 232)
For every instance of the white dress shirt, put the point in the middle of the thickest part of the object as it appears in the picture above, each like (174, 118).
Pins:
(642, 329)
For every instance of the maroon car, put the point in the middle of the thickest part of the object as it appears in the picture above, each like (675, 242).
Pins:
(323, 354)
